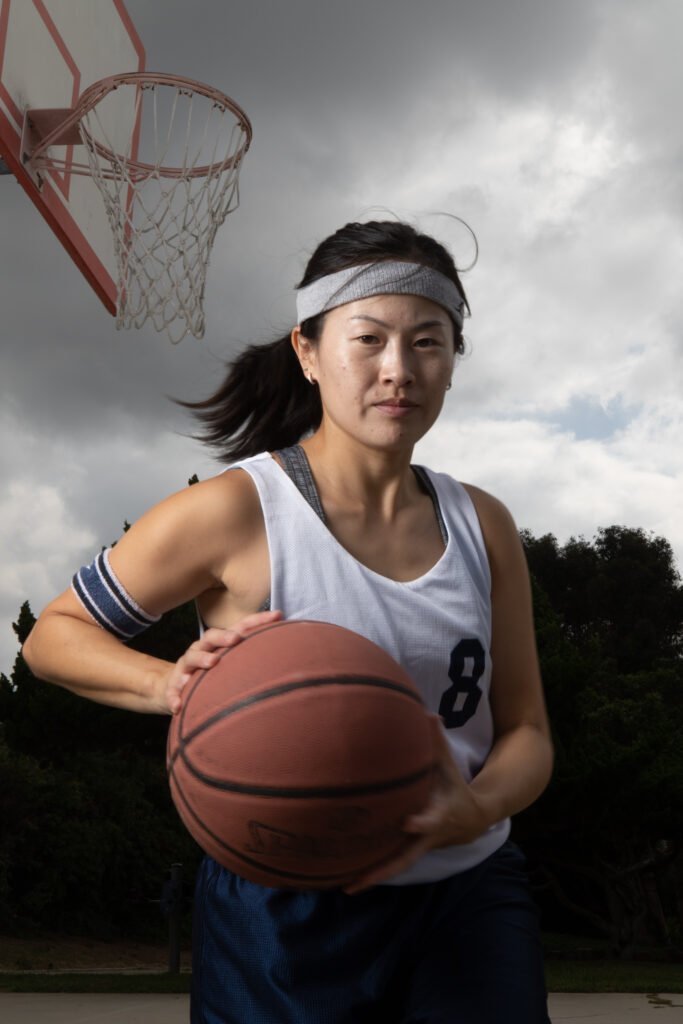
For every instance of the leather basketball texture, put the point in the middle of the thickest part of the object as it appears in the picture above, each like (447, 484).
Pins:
(295, 759)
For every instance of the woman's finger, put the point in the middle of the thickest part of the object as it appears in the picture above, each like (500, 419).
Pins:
(205, 652)
(217, 637)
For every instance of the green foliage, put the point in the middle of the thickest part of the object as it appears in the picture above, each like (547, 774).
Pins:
(107, 982)
(609, 624)
(85, 847)
(25, 622)
(89, 832)
(622, 591)
(88, 827)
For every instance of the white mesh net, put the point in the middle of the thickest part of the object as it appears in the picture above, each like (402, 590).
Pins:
(166, 159)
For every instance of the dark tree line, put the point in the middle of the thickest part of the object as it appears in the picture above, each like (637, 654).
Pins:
(607, 836)
(87, 827)
(88, 830)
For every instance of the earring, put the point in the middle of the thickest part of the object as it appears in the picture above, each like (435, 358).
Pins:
(309, 377)
(449, 385)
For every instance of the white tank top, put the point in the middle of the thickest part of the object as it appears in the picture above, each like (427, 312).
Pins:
(438, 627)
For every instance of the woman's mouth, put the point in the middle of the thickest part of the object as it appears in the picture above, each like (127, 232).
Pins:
(396, 407)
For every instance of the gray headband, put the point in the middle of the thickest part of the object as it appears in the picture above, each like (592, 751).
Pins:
(385, 278)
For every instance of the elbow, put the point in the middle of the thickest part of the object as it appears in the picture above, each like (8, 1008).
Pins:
(34, 651)
(549, 757)
(28, 653)
(541, 743)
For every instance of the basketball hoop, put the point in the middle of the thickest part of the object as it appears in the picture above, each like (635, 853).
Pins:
(166, 192)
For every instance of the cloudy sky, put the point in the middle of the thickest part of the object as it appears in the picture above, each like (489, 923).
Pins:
(552, 128)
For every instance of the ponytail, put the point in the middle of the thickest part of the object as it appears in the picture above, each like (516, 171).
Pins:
(264, 403)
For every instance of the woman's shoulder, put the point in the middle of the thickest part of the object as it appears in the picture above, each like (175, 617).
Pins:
(487, 505)
(490, 510)
(182, 545)
(498, 527)
(219, 513)
(224, 501)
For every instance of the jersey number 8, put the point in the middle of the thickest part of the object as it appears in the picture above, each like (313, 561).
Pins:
(461, 700)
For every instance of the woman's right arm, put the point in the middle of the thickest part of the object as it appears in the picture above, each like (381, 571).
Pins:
(176, 551)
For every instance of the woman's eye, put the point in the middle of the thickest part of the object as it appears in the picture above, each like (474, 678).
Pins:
(367, 339)
(426, 342)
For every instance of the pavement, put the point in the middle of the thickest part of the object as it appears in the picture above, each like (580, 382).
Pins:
(63, 1008)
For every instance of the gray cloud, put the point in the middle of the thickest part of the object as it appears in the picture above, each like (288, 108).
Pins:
(551, 127)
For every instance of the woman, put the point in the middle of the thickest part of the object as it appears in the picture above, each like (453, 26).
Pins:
(342, 528)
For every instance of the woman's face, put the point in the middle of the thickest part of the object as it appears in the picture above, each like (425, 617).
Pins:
(382, 365)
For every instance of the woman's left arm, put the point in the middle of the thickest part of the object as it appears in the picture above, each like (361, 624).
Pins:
(519, 764)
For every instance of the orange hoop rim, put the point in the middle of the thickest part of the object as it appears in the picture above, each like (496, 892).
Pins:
(95, 93)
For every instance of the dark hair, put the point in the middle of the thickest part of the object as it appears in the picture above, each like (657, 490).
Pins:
(265, 402)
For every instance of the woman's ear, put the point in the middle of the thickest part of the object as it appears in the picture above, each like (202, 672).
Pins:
(304, 353)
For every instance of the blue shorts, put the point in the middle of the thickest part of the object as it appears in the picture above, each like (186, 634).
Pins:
(465, 950)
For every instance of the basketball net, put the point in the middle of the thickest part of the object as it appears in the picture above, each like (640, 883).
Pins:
(165, 210)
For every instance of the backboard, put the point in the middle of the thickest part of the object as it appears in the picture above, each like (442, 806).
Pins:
(50, 51)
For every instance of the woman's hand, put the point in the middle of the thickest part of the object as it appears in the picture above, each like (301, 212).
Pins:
(452, 816)
(205, 652)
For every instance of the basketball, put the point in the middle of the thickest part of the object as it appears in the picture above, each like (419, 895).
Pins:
(295, 759)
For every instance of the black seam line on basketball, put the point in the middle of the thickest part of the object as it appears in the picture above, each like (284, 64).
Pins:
(278, 691)
(275, 692)
(301, 792)
(250, 636)
(268, 868)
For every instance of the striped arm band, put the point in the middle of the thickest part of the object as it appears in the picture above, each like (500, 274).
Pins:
(107, 601)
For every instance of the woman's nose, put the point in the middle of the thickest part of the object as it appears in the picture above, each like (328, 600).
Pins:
(397, 365)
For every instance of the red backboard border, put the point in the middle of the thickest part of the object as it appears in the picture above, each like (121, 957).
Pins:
(46, 200)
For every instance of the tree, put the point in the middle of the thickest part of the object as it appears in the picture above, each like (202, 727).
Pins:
(609, 617)
(88, 826)
(89, 829)
(623, 591)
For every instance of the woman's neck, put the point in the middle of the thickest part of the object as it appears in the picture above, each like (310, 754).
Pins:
(354, 476)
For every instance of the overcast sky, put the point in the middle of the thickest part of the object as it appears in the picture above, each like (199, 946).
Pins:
(553, 128)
